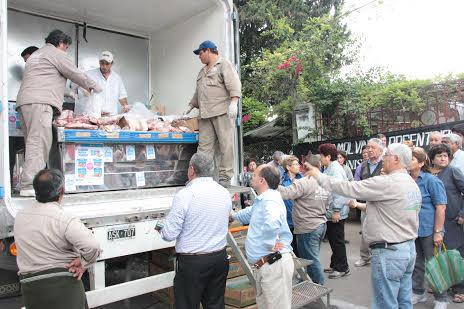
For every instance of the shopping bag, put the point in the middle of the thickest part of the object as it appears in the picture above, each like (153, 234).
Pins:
(456, 265)
(438, 271)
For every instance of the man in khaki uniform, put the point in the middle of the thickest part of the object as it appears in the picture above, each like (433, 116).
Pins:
(216, 96)
(41, 96)
(393, 204)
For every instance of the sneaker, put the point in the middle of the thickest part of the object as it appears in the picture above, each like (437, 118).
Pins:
(440, 305)
(361, 263)
(418, 298)
(329, 270)
(27, 192)
(338, 274)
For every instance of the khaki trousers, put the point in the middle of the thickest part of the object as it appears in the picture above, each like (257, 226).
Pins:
(219, 129)
(274, 284)
(36, 123)
(364, 251)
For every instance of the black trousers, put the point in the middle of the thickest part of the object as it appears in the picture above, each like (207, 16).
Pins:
(294, 244)
(336, 236)
(201, 278)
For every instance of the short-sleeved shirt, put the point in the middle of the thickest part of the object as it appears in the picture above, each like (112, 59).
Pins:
(113, 91)
(433, 193)
(215, 87)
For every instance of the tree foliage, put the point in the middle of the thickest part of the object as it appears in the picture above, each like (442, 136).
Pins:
(254, 113)
(292, 52)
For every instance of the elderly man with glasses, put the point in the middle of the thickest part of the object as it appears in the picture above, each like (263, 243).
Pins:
(393, 201)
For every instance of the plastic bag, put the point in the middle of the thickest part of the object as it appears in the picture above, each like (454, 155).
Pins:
(93, 106)
(139, 110)
(444, 270)
(456, 263)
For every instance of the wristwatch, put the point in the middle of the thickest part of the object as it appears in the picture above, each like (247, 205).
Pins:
(438, 231)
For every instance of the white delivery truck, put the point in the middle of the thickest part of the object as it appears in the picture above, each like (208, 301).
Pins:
(152, 41)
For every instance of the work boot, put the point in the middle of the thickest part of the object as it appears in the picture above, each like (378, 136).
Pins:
(418, 298)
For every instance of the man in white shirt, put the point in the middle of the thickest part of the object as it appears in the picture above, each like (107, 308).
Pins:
(198, 221)
(114, 92)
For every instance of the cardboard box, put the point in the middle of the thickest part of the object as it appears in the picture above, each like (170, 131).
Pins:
(191, 123)
(235, 270)
(154, 269)
(164, 258)
(159, 109)
(239, 292)
(165, 295)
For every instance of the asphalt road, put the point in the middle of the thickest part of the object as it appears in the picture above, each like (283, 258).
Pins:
(352, 292)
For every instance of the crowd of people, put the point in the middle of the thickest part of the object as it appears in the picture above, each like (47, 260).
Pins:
(410, 200)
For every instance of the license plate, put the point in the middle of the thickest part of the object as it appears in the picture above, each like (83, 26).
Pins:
(121, 233)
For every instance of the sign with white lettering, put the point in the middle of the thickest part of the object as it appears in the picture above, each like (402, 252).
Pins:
(353, 146)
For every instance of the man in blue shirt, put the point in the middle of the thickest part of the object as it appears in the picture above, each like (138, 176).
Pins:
(198, 221)
(268, 232)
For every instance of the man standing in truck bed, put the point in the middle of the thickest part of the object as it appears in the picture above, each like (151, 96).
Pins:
(217, 92)
(41, 96)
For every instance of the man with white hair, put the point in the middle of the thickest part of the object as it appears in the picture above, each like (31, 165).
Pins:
(277, 162)
(455, 143)
(114, 92)
(393, 201)
(435, 138)
(369, 168)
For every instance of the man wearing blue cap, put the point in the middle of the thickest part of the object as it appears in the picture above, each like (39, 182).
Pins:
(217, 92)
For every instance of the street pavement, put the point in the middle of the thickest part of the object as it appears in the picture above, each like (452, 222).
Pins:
(351, 292)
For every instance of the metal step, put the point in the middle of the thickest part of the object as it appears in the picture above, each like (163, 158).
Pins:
(308, 292)
(303, 293)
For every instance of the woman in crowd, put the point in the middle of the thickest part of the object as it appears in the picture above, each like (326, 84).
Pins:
(431, 221)
(292, 172)
(341, 158)
(336, 214)
(251, 167)
(453, 179)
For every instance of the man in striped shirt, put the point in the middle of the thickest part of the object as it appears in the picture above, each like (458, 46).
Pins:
(198, 221)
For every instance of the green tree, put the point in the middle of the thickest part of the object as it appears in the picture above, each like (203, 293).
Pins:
(254, 113)
(301, 68)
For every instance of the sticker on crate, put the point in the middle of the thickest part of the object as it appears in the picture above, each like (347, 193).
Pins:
(140, 179)
(70, 183)
(130, 152)
(107, 154)
(150, 150)
(89, 166)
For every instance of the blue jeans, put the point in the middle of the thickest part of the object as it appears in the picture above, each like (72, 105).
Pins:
(309, 245)
(391, 276)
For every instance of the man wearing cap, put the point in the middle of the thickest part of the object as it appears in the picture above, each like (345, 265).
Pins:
(114, 91)
(218, 89)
